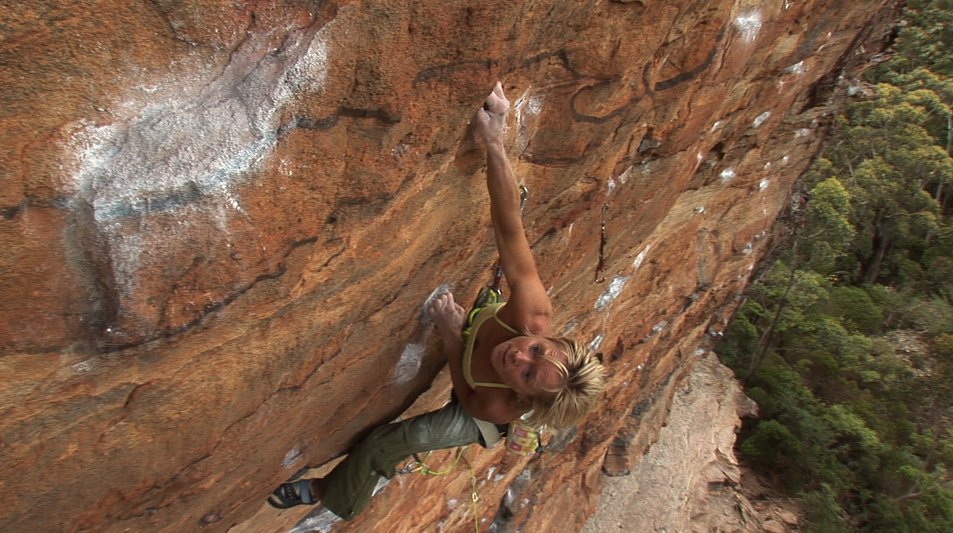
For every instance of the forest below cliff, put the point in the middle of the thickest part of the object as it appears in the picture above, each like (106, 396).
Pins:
(846, 341)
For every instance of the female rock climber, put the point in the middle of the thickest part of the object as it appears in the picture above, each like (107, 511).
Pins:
(508, 365)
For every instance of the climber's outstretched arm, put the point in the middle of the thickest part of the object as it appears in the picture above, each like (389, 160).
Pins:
(528, 306)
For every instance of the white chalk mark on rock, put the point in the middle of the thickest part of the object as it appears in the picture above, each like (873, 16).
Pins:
(176, 151)
(596, 343)
(184, 144)
(291, 457)
(611, 293)
(321, 520)
(797, 68)
(83, 366)
(409, 364)
(749, 25)
(526, 105)
(639, 259)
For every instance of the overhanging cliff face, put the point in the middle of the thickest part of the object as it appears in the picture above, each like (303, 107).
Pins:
(220, 224)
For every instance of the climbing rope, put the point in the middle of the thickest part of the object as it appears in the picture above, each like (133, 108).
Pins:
(419, 466)
(474, 498)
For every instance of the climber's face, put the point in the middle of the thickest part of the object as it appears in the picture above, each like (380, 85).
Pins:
(523, 364)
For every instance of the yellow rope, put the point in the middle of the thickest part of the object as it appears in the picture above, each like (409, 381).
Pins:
(474, 497)
(422, 468)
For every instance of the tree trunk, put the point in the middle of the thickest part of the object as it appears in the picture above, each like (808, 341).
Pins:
(882, 244)
(765, 341)
(949, 134)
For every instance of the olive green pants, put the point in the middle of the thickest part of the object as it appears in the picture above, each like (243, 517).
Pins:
(349, 487)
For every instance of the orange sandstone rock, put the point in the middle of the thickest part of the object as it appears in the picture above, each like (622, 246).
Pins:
(221, 222)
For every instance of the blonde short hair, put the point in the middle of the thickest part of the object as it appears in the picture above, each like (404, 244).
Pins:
(583, 382)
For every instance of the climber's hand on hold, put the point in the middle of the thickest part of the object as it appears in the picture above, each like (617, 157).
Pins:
(448, 317)
(491, 118)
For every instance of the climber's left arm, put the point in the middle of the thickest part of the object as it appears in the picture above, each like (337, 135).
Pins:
(528, 306)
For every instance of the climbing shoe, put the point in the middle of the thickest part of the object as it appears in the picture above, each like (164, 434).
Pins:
(291, 494)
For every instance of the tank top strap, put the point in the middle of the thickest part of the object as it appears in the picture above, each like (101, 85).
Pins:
(479, 318)
(505, 326)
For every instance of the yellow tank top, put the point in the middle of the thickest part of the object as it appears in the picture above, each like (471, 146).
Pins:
(482, 316)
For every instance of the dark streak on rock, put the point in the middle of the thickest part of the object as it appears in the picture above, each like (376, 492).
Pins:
(9, 213)
(308, 123)
(693, 73)
(646, 80)
(184, 196)
(328, 122)
(617, 351)
(604, 118)
(377, 114)
(820, 93)
(442, 71)
(601, 265)
(214, 306)
(87, 253)
(552, 161)
(808, 42)
(13, 211)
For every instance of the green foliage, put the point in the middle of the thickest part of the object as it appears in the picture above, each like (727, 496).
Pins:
(943, 348)
(828, 226)
(854, 308)
(824, 514)
(932, 315)
(889, 160)
(927, 39)
(741, 337)
(846, 343)
(772, 447)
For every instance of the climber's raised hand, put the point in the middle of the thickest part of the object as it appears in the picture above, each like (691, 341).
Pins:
(491, 118)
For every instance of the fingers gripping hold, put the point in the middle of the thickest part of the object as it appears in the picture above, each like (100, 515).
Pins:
(496, 102)
(490, 120)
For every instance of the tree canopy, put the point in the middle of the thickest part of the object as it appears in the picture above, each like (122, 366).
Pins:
(846, 342)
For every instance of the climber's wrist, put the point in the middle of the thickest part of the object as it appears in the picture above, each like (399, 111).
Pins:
(495, 148)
